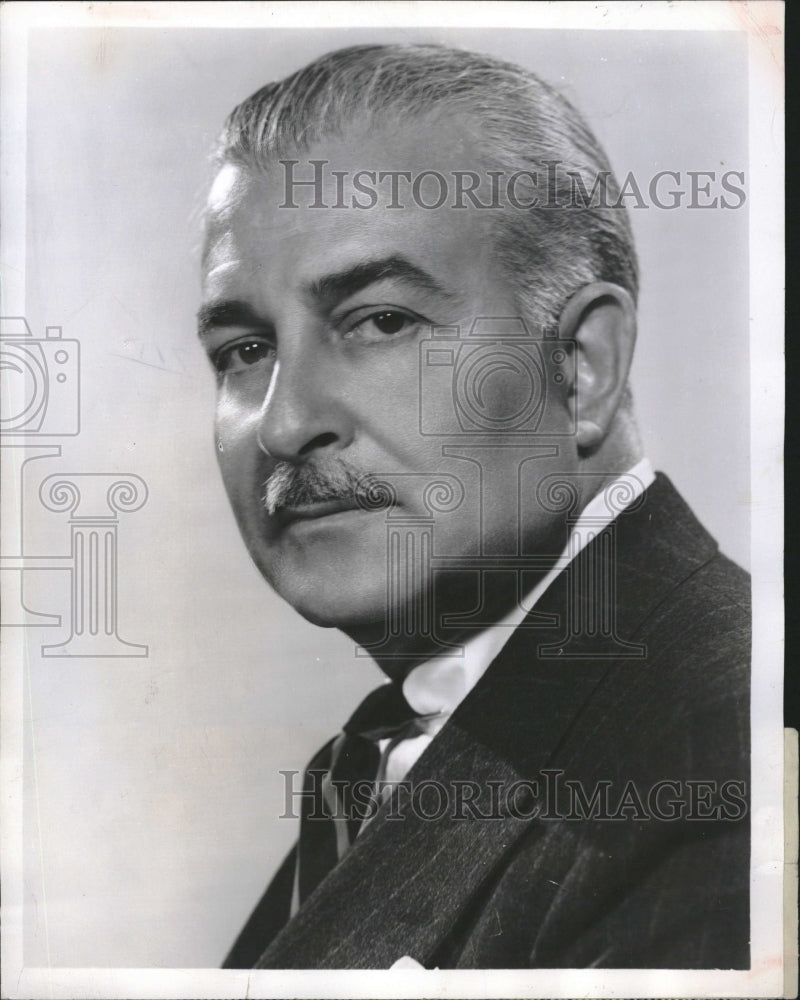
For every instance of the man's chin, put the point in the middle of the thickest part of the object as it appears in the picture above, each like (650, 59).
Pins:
(352, 621)
(349, 622)
(337, 605)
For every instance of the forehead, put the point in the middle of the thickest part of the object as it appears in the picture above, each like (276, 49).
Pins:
(264, 222)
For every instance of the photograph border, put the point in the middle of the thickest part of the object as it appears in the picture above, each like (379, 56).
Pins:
(763, 25)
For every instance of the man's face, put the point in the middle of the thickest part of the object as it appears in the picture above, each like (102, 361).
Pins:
(314, 320)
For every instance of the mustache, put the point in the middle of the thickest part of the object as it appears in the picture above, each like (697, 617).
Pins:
(291, 485)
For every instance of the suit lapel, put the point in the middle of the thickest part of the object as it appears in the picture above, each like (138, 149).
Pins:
(407, 879)
(401, 886)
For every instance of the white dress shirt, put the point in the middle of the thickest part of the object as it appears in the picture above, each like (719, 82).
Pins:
(439, 684)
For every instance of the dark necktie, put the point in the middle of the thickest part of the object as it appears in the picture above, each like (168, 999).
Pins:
(339, 783)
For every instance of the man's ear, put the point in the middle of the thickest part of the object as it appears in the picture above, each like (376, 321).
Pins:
(601, 320)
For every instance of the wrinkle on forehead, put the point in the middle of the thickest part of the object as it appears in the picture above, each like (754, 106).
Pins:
(220, 258)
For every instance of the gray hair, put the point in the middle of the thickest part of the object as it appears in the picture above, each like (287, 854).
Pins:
(523, 124)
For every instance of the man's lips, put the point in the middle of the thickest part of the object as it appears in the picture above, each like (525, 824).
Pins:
(316, 510)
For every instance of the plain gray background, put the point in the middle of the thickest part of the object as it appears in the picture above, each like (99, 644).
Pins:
(152, 785)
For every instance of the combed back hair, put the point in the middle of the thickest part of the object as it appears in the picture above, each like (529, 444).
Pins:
(517, 122)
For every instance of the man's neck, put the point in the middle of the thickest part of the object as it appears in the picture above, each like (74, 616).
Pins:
(455, 595)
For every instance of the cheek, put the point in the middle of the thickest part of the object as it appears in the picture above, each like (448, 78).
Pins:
(233, 477)
(237, 451)
(383, 399)
(236, 421)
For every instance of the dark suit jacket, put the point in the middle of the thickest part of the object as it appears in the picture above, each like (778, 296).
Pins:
(536, 885)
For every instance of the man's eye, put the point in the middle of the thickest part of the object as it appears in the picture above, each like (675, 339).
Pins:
(242, 355)
(382, 325)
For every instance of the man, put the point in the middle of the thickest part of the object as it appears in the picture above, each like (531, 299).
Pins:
(419, 288)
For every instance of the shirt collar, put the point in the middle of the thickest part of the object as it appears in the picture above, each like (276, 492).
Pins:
(439, 684)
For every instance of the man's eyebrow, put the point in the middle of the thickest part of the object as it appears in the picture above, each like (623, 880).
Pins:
(338, 286)
(230, 312)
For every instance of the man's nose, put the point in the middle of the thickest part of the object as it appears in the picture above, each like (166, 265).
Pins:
(304, 410)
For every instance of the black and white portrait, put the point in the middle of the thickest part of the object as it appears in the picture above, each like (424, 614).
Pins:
(391, 431)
